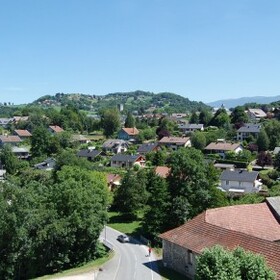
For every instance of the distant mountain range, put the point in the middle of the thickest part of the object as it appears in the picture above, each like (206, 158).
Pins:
(231, 103)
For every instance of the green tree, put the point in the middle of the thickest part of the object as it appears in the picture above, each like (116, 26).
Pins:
(130, 120)
(131, 195)
(158, 204)
(262, 141)
(52, 225)
(194, 118)
(198, 140)
(253, 266)
(272, 128)
(238, 115)
(219, 263)
(146, 134)
(166, 126)
(40, 141)
(110, 121)
(190, 185)
(213, 134)
(69, 158)
(157, 158)
(276, 162)
(221, 119)
(204, 117)
(9, 160)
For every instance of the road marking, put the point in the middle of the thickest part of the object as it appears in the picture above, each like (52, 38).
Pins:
(151, 268)
(118, 267)
(135, 265)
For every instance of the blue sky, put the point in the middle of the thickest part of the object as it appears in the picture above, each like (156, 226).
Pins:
(204, 50)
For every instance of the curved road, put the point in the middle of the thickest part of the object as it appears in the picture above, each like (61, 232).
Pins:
(130, 262)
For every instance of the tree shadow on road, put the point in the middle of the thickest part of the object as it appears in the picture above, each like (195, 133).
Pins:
(166, 273)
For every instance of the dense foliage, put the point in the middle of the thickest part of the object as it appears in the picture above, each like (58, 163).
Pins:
(191, 185)
(49, 224)
(218, 263)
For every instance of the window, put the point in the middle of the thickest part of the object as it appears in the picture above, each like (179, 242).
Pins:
(190, 257)
(227, 183)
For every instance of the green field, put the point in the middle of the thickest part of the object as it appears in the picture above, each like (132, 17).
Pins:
(119, 222)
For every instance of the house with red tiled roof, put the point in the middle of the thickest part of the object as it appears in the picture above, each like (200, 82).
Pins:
(162, 171)
(9, 139)
(254, 227)
(175, 142)
(22, 133)
(55, 129)
(128, 133)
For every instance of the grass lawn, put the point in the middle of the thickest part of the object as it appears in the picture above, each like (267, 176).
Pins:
(90, 266)
(118, 221)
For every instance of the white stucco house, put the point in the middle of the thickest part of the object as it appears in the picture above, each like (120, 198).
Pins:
(240, 181)
(247, 130)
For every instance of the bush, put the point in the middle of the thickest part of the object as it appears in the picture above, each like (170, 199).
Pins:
(222, 264)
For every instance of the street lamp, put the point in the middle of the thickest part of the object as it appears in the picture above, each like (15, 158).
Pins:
(105, 226)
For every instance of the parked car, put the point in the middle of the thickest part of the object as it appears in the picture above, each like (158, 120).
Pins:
(123, 238)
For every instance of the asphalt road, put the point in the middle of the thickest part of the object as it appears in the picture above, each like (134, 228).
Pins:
(130, 262)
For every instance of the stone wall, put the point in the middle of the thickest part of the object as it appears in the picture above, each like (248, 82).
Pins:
(179, 259)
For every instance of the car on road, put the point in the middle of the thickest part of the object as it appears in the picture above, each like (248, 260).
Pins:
(123, 238)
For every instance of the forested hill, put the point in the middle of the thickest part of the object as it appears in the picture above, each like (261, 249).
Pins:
(137, 100)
